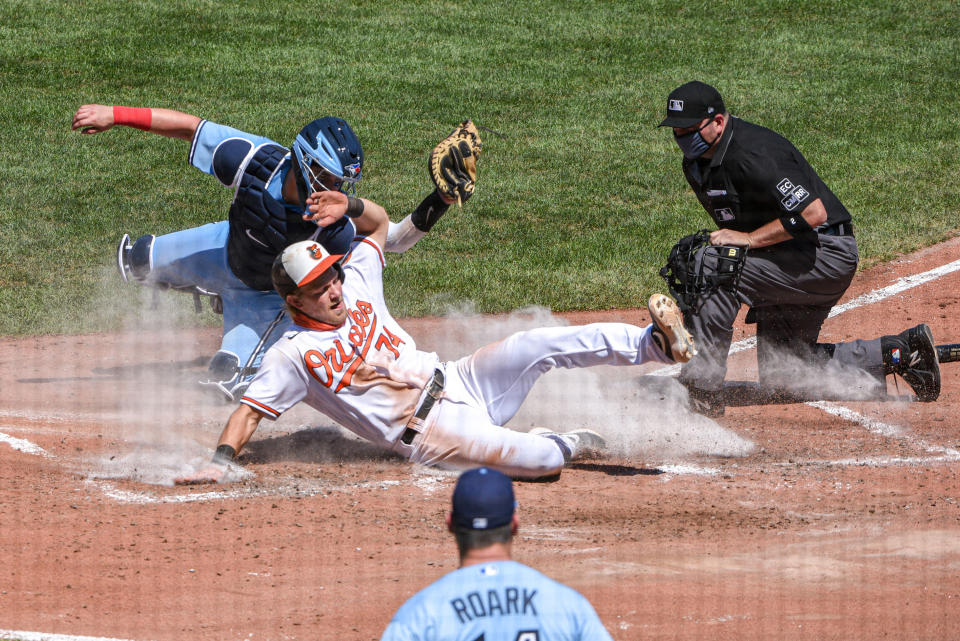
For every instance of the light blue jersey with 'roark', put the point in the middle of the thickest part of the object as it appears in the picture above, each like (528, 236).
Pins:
(501, 601)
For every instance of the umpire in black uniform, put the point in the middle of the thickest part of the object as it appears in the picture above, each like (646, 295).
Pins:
(802, 255)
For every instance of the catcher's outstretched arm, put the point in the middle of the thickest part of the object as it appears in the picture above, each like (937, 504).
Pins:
(92, 119)
(405, 234)
(453, 169)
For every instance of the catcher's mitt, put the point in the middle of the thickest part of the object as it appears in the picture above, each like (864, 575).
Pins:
(696, 269)
(453, 162)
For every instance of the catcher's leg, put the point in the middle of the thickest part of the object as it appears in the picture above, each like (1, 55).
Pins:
(135, 259)
(252, 322)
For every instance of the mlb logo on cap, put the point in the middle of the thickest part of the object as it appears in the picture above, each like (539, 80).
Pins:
(688, 104)
(482, 500)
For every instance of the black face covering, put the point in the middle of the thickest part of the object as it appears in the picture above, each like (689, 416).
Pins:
(692, 144)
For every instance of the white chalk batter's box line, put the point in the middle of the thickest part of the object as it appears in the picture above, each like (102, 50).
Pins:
(23, 635)
(900, 285)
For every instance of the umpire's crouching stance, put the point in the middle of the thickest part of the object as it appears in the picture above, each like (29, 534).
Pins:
(801, 256)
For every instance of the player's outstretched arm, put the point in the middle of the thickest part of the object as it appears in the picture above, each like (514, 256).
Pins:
(240, 427)
(93, 119)
(369, 218)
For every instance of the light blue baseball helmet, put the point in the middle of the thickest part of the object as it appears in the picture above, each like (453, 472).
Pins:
(329, 156)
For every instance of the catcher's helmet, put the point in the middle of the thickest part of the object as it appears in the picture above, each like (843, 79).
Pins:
(329, 156)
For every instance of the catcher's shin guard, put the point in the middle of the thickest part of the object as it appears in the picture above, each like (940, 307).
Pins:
(227, 379)
(135, 260)
(913, 355)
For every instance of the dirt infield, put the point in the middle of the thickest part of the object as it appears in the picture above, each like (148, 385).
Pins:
(829, 520)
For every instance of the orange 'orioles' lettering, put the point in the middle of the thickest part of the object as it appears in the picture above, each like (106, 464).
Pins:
(315, 361)
(337, 356)
(360, 337)
(323, 365)
(391, 341)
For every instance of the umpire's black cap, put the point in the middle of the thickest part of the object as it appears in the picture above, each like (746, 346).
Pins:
(688, 104)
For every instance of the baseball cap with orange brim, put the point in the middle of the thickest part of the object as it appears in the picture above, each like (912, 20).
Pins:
(302, 263)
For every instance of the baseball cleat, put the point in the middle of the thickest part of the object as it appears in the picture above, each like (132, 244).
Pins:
(575, 444)
(671, 336)
(123, 262)
(920, 367)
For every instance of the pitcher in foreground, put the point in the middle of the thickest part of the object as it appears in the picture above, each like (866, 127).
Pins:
(346, 356)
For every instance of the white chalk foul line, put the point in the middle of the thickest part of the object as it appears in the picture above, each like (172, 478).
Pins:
(899, 285)
(22, 445)
(290, 487)
(877, 295)
(22, 635)
(885, 429)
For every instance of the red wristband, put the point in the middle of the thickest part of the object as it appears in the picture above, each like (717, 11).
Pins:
(136, 117)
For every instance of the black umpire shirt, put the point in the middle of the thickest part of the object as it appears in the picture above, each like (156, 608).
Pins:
(756, 176)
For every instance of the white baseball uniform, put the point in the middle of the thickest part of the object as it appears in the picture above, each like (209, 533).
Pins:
(368, 375)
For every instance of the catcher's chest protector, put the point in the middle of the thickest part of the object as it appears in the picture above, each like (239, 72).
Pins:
(260, 226)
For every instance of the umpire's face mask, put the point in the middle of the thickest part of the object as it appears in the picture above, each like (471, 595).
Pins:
(692, 144)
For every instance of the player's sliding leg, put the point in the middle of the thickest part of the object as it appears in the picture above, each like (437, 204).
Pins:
(501, 375)
(459, 435)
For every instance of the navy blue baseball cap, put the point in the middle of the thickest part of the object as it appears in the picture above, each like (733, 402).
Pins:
(690, 103)
(483, 500)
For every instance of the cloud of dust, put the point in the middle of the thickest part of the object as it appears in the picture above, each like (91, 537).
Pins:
(164, 425)
(809, 380)
(643, 418)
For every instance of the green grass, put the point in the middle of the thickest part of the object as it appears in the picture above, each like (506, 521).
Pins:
(575, 209)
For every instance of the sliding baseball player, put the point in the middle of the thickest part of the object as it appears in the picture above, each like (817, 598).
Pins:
(347, 357)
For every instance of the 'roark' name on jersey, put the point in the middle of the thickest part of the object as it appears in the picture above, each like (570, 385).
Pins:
(475, 605)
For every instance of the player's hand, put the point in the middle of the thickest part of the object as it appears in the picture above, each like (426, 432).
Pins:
(210, 474)
(729, 237)
(326, 207)
(92, 119)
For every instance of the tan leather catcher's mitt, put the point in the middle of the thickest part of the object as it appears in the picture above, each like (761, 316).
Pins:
(453, 162)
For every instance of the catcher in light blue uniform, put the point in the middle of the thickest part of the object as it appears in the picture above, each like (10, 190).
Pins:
(491, 598)
(230, 261)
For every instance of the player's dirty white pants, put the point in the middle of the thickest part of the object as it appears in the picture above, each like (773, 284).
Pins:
(484, 390)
